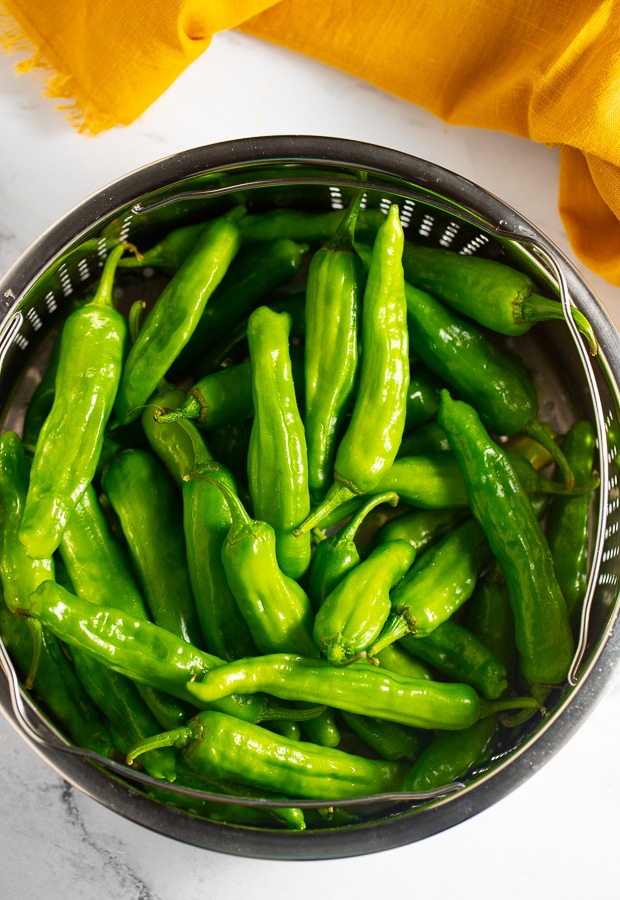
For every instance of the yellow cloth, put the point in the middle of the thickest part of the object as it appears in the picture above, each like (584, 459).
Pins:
(547, 71)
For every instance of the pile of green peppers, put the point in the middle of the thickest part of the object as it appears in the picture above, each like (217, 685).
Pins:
(295, 531)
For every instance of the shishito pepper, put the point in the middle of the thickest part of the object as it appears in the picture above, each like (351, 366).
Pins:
(333, 294)
(492, 293)
(359, 687)
(220, 398)
(365, 453)
(175, 314)
(219, 745)
(67, 452)
(278, 454)
(504, 512)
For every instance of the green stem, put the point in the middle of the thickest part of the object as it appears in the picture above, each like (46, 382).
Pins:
(398, 625)
(104, 295)
(536, 430)
(538, 309)
(177, 737)
(350, 530)
(337, 495)
(135, 319)
(344, 235)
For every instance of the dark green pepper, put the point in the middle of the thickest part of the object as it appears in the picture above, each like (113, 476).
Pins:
(333, 294)
(490, 292)
(504, 513)
(277, 454)
(421, 527)
(366, 453)
(174, 315)
(224, 747)
(172, 445)
(221, 398)
(389, 740)
(67, 452)
(304, 225)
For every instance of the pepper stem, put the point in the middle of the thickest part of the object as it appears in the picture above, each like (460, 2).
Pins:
(536, 430)
(535, 308)
(345, 233)
(34, 626)
(189, 409)
(350, 530)
(203, 460)
(491, 707)
(337, 495)
(104, 295)
(177, 737)
(399, 624)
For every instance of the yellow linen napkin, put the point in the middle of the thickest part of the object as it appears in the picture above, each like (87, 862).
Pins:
(547, 71)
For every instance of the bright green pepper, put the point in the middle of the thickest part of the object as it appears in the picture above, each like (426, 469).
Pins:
(366, 453)
(504, 512)
(352, 616)
(359, 687)
(276, 608)
(93, 345)
(172, 445)
(277, 454)
(174, 316)
(206, 523)
(148, 508)
(333, 295)
(421, 527)
(224, 747)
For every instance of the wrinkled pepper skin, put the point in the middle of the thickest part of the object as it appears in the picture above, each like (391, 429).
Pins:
(352, 616)
(278, 454)
(174, 316)
(504, 512)
(333, 295)
(150, 514)
(364, 454)
(92, 352)
(221, 746)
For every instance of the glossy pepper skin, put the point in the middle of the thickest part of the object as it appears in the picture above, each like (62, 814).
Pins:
(352, 616)
(171, 445)
(359, 687)
(364, 454)
(141, 650)
(206, 523)
(568, 531)
(278, 454)
(302, 225)
(333, 294)
(55, 684)
(222, 746)
(504, 512)
(491, 293)
(451, 755)
(276, 608)
(150, 514)
(221, 398)
(337, 554)
(93, 346)
(443, 577)
(174, 316)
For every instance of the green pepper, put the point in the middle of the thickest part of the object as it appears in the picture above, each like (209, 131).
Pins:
(491, 293)
(150, 513)
(370, 443)
(206, 523)
(93, 344)
(218, 745)
(457, 653)
(142, 651)
(488, 615)
(451, 755)
(428, 437)
(305, 225)
(172, 445)
(168, 254)
(389, 740)
(277, 454)
(443, 577)
(221, 398)
(568, 524)
(504, 513)
(421, 527)
(333, 294)
(254, 273)
(422, 396)
(55, 684)
(395, 658)
(335, 555)
(174, 315)
(276, 608)
(359, 687)
(353, 614)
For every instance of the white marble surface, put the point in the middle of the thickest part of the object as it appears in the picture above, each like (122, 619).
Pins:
(555, 835)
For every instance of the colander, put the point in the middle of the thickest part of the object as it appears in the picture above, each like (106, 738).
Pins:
(440, 209)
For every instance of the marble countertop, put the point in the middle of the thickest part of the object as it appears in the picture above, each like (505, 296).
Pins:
(554, 833)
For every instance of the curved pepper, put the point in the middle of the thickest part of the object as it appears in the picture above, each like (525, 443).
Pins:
(277, 454)
(67, 452)
(505, 514)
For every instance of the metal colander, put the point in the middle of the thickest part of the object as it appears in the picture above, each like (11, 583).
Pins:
(440, 209)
